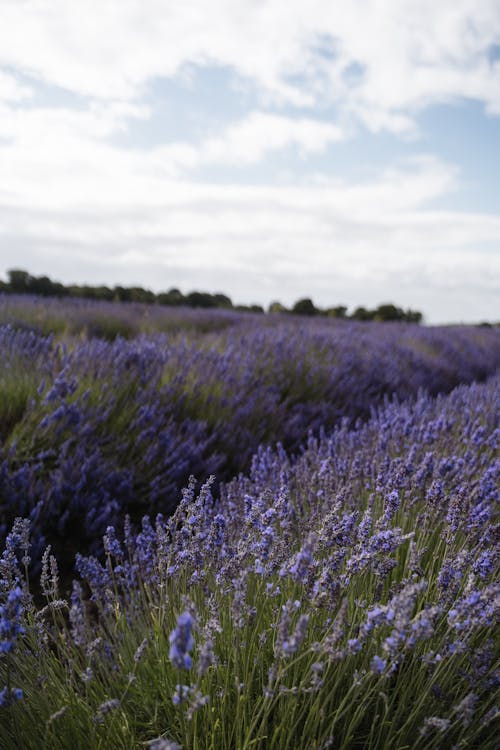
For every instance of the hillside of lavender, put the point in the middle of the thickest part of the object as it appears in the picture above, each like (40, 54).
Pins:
(223, 530)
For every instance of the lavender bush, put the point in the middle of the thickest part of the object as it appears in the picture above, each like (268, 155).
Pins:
(344, 598)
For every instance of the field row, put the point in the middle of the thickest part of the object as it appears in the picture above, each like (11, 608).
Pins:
(92, 429)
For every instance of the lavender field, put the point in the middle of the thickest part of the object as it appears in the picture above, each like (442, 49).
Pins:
(226, 530)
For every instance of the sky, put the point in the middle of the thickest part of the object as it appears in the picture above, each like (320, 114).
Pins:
(343, 150)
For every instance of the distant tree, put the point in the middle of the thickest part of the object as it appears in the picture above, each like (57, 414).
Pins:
(361, 313)
(122, 294)
(336, 312)
(200, 299)
(249, 308)
(277, 307)
(413, 316)
(104, 293)
(222, 300)
(41, 285)
(59, 290)
(172, 297)
(304, 307)
(138, 294)
(88, 292)
(74, 290)
(389, 312)
(19, 281)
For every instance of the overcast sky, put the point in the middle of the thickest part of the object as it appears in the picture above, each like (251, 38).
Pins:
(346, 150)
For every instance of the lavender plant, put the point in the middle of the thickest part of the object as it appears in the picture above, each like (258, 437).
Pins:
(344, 598)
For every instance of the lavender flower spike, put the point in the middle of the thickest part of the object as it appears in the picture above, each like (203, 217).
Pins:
(10, 620)
(181, 642)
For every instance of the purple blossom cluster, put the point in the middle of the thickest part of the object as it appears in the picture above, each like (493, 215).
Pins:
(181, 642)
(11, 629)
(359, 505)
(10, 620)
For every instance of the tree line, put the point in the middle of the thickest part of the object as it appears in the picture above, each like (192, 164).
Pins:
(22, 282)
(384, 312)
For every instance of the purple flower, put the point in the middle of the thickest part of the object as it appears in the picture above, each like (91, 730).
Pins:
(181, 694)
(8, 697)
(160, 743)
(258, 567)
(106, 708)
(483, 565)
(304, 560)
(292, 643)
(10, 620)
(206, 657)
(378, 664)
(354, 645)
(181, 642)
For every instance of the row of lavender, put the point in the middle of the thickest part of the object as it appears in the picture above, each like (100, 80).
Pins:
(108, 320)
(100, 429)
(344, 599)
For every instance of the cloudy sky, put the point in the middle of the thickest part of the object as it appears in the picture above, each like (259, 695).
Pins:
(346, 150)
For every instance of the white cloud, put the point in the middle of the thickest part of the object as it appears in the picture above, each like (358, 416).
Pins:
(11, 90)
(249, 141)
(88, 210)
(408, 53)
(71, 150)
(40, 126)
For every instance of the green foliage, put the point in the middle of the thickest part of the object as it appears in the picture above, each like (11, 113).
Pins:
(173, 297)
(107, 327)
(336, 312)
(304, 307)
(17, 387)
(21, 282)
(18, 280)
(249, 308)
(361, 313)
(277, 307)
